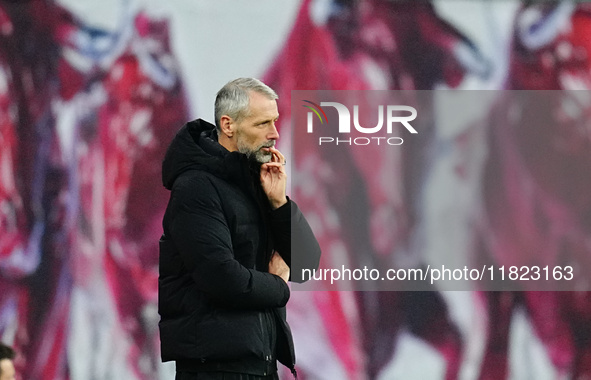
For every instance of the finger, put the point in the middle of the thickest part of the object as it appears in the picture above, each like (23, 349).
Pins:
(269, 165)
(279, 154)
(275, 151)
(265, 169)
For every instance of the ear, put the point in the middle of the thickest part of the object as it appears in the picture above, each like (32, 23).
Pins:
(227, 125)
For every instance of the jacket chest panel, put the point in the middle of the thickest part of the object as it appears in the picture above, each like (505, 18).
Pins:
(245, 223)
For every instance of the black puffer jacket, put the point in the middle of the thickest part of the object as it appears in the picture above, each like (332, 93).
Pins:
(220, 308)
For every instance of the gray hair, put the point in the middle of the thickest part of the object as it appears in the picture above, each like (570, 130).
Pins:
(233, 99)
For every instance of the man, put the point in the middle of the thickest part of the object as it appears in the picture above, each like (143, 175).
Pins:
(7, 371)
(226, 251)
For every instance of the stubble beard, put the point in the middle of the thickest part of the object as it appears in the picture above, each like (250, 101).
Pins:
(256, 154)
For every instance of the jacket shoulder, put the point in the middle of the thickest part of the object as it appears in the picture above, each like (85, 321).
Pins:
(196, 185)
(192, 176)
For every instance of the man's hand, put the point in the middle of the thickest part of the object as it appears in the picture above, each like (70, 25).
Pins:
(274, 179)
(278, 267)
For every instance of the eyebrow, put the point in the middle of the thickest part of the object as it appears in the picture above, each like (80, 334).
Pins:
(267, 120)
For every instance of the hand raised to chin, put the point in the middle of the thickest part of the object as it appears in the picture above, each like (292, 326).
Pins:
(274, 179)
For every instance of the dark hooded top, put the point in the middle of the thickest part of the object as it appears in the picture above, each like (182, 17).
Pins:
(220, 308)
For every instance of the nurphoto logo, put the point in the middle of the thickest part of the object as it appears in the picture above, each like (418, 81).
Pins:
(393, 115)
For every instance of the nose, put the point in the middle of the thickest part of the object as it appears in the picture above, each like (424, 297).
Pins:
(273, 133)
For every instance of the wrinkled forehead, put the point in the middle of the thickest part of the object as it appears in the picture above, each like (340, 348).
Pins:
(261, 106)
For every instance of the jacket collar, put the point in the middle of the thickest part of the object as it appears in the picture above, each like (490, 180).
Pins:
(195, 147)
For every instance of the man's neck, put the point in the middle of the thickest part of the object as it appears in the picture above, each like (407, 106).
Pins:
(226, 142)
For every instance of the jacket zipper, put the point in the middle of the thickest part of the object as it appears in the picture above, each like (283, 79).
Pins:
(266, 339)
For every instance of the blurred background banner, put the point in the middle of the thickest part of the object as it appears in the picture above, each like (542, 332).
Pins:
(91, 93)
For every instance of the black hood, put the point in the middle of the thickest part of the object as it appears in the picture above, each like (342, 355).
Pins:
(195, 147)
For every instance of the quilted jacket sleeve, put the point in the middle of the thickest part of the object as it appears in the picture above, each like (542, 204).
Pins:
(294, 239)
(200, 232)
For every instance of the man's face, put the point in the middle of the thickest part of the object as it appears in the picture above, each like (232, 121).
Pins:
(256, 132)
(7, 370)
